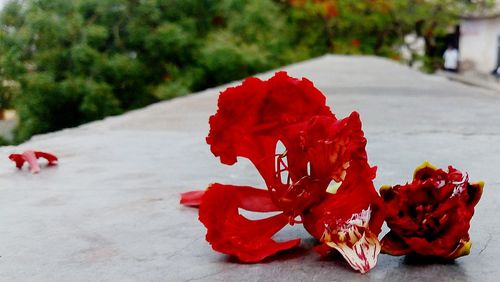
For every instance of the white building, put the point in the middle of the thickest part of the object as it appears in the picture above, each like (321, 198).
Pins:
(480, 40)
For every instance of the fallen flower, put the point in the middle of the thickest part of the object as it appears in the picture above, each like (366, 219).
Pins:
(299, 147)
(431, 215)
(31, 157)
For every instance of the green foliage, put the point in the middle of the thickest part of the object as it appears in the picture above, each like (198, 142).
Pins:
(225, 58)
(64, 62)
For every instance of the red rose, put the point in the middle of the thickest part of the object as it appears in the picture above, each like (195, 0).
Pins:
(431, 215)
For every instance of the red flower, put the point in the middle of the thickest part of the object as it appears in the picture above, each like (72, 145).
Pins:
(31, 157)
(285, 129)
(431, 215)
(350, 219)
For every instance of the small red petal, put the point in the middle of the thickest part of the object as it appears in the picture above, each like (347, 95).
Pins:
(192, 198)
(249, 198)
(18, 159)
(48, 156)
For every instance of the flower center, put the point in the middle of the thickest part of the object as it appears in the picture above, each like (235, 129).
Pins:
(428, 224)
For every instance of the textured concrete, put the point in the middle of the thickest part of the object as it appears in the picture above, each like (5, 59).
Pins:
(110, 210)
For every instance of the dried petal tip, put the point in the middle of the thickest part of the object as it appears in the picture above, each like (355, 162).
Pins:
(422, 170)
(462, 249)
(385, 188)
(479, 184)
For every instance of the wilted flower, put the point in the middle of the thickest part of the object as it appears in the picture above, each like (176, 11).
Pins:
(431, 215)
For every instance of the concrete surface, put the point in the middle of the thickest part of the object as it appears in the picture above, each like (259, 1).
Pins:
(473, 78)
(110, 212)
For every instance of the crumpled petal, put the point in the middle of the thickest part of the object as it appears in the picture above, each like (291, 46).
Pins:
(31, 157)
(231, 233)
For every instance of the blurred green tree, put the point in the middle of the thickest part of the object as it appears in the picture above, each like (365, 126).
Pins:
(63, 63)
(77, 61)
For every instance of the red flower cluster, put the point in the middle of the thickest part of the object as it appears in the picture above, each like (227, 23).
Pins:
(430, 216)
(316, 171)
(253, 120)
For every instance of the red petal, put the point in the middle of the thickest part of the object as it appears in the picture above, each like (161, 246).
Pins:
(230, 233)
(18, 159)
(192, 198)
(48, 156)
(474, 193)
(251, 117)
(249, 198)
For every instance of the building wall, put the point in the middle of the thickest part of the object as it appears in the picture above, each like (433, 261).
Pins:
(479, 43)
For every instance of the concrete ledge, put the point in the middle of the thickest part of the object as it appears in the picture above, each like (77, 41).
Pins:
(110, 212)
